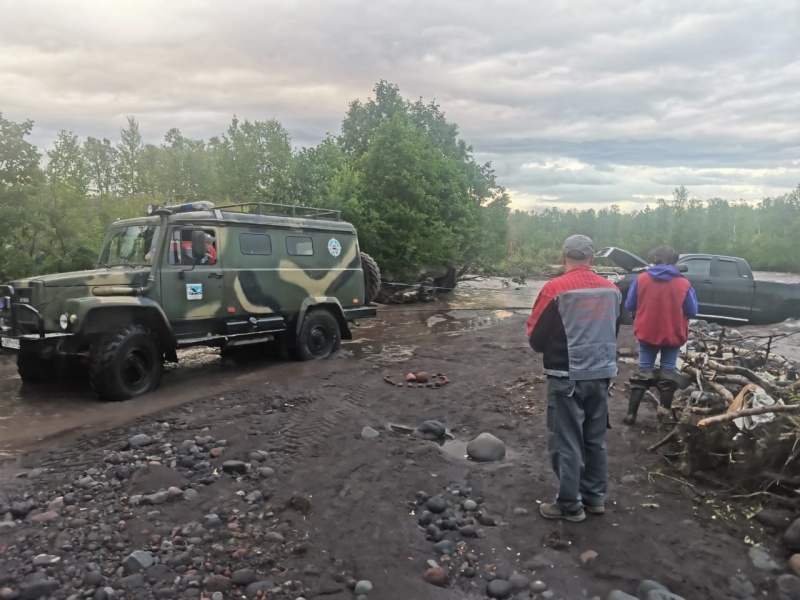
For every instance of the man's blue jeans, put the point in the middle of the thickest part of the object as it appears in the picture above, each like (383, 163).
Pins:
(577, 415)
(648, 353)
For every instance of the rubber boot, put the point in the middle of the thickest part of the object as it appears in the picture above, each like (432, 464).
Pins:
(666, 392)
(640, 382)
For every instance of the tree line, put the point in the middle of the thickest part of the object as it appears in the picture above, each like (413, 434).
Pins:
(764, 233)
(397, 170)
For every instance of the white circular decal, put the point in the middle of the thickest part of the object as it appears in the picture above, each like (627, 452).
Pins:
(334, 247)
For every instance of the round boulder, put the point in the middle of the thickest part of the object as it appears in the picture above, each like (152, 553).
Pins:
(486, 448)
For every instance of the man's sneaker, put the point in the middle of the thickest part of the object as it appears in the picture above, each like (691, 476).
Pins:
(553, 511)
(595, 510)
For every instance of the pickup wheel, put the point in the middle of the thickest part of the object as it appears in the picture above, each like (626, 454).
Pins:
(34, 370)
(372, 278)
(126, 363)
(319, 336)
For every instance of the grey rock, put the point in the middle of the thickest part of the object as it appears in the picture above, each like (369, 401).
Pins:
(519, 581)
(538, 586)
(139, 440)
(619, 595)
(741, 587)
(470, 505)
(254, 496)
(217, 596)
(8, 594)
(38, 589)
(445, 547)
(133, 581)
(258, 586)
(630, 479)
(273, 537)
(234, 466)
(20, 510)
(86, 482)
(258, 456)
(788, 587)
(661, 595)
(498, 588)
(436, 504)
(648, 585)
(791, 537)
(46, 559)
(266, 472)
(190, 494)
(157, 498)
(93, 578)
(486, 448)
(363, 587)
(138, 560)
(174, 492)
(520, 512)
(762, 560)
(430, 430)
(368, 433)
(243, 577)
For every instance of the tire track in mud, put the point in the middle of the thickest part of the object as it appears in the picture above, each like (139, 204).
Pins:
(306, 427)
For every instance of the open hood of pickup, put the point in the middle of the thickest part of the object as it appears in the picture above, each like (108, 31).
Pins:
(622, 258)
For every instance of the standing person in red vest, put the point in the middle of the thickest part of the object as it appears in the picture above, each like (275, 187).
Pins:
(663, 301)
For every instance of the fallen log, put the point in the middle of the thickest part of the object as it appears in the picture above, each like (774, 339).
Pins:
(724, 392)
(731, 370)
(745, 412)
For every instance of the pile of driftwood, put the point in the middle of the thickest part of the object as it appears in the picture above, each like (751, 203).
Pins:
(737, 424)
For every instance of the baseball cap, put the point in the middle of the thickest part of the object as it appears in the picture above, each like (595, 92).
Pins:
(210, 239)
(578, 247)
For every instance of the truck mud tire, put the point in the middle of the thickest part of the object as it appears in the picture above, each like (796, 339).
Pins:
(125, 364)
(34, 370)
(319, 336)
(372, 278)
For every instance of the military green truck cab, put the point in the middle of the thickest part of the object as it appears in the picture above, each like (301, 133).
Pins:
(189, 275)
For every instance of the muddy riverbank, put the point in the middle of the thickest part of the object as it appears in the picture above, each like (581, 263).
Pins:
(271, 482)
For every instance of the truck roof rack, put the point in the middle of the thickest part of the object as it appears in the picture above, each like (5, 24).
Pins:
(294, 210)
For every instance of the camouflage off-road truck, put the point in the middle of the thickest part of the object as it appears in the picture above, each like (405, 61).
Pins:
(189, 275)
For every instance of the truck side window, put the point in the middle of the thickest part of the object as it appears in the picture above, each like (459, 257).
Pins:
(179, 251)
(698, 266)
(727, 268)
(299, 245)
(255, 243)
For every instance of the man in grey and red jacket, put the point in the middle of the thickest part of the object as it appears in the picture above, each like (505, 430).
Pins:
(574, 324)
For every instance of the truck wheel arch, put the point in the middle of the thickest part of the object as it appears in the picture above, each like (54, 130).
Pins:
(101, 319)
(328, 303)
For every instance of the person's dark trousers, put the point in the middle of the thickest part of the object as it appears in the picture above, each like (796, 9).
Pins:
(577, 414)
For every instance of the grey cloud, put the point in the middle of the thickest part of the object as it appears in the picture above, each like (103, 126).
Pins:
(681, 89)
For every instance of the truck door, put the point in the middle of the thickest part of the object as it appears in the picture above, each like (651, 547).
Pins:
(733, 290)
(191, 287)
(699, 275)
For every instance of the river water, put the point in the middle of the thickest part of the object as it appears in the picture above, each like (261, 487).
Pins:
(28, 415)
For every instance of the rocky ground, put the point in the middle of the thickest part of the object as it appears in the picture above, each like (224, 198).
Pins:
(313, 488)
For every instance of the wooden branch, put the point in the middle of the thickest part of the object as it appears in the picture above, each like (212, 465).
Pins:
(734, 379)
(718, 353)
(725, 393)
(671, 435)
(745, 412)
(763, 383)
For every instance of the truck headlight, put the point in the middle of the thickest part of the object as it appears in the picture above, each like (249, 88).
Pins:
(64, 321)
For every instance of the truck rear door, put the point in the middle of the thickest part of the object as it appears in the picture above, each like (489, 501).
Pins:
(734, 288)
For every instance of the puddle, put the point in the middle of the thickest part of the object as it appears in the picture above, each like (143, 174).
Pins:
(449, 444)
(385, 352)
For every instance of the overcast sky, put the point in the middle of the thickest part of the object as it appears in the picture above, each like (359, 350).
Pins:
(576, 103)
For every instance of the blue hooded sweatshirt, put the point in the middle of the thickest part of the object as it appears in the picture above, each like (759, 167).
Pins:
(664, 273)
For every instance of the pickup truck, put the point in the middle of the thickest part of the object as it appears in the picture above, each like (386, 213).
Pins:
(725, 286)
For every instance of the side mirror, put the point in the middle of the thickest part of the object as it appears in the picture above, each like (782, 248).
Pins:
(683, 268)
(198, 243)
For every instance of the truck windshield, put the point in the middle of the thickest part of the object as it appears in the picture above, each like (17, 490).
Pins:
(132, 245)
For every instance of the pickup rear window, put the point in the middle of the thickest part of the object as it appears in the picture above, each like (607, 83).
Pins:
(698, 266)
(727, 268)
